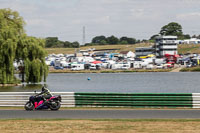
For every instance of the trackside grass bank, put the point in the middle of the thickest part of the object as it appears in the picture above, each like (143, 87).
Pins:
(182, 49)
(192, 69)
(109, 71)
(118, 48)
(101, 125)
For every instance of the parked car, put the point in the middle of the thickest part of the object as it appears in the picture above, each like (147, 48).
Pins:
(160, 66)
(189, 65)
(125, 66)
(77, 66)
(58, 67)
(170, 65)
(149, 66)
(93, 67)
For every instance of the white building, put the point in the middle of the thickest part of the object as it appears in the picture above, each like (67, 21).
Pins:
(166, 45)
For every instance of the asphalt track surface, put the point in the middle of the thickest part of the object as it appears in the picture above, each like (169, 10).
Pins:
(101, 114)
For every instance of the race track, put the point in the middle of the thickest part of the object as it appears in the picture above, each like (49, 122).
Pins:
(102, 114)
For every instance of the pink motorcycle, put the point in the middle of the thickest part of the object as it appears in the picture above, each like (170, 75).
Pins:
(39, 103)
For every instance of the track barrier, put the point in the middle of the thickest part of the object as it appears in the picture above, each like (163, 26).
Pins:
(143, 100)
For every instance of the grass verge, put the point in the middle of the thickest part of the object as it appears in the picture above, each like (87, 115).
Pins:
(182, 49)
(109, 71)
(192, 69)
(118, 48)
(188, 48)
(101, 125)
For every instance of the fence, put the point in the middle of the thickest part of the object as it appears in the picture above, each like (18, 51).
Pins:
(149, 100)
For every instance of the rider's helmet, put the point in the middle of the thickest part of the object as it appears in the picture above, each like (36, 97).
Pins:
(43, 88)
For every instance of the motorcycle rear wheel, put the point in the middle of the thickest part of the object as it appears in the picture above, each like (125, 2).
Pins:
(55, 105)
(29, 106)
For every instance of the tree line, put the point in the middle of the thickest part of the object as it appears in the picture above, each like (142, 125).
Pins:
(53, 42)
(111, 40)
(196, 36)
(173, 29)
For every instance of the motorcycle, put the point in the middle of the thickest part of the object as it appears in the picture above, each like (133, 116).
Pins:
(34, 102)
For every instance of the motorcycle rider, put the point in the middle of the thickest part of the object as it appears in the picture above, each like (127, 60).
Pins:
(44, 94)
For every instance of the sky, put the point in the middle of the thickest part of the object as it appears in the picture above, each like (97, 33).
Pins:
(139, 19)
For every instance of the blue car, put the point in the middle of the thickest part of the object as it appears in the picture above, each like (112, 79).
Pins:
(58, 67)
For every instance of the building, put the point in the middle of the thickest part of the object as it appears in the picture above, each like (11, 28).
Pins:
(166, 45)
(144, 51)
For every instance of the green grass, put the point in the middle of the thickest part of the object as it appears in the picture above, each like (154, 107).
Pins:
(188, 48)
(182, 48)
(120, 47)
(100, 125)
(191, 69)
(11, 108)
(109, 71)
(149, 120)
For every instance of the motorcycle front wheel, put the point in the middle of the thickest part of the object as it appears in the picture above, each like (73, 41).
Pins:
(29, 106)
(55, 105)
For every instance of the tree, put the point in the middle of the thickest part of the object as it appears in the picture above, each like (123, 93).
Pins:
(123, 40)
(127, 40)
(89, 44)
(112, 40)
(103, 42)
(196, 36)
(173, 29)
(67, 44)
(131, 40)
(138, 41)
(75, 44)
(99, 40)
(10, 29)
(187, 36)
(53, 42)
(31, 52)
(153, 37)
(16, 45)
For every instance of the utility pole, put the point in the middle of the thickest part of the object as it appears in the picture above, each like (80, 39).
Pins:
(83, 43)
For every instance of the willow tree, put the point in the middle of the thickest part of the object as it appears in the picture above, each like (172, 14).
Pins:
(31, 51)
(16, 45)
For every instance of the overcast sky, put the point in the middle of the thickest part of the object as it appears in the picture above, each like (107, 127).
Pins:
(133, 18)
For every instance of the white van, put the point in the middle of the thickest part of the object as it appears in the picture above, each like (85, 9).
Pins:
(93, 67)
(75, 67)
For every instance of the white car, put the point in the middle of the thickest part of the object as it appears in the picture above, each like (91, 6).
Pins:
(159, 66)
